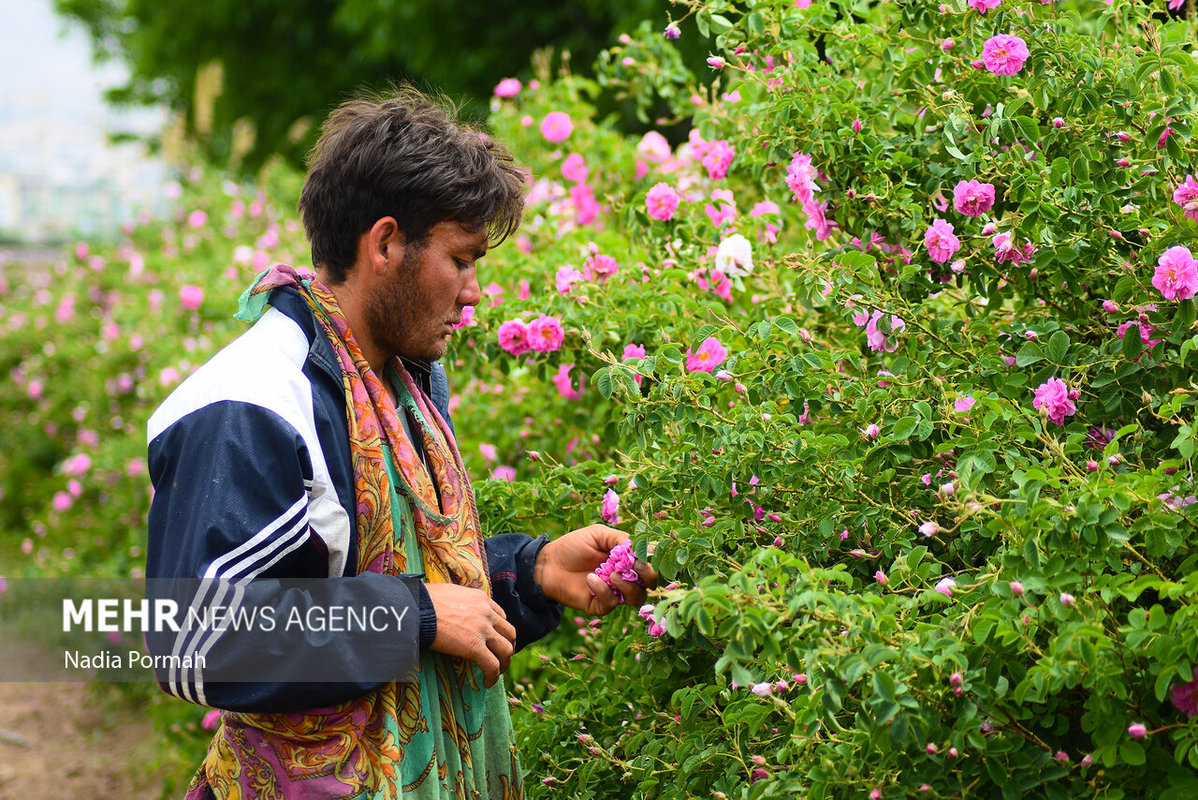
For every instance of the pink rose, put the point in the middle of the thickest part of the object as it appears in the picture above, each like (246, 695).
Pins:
(508, 87)
(545, 334)
(1176, 275)
(565, 386)
(800, 177)
(575, 168)
(718, 159)
(586, 207)
(513, 337)
(982, 6)
(191, 297)
(962, 404)
(557, 127)
(1185, 697)
(1004, 54)
(610, 508)
(599, 267)
(972, 198)
(877, 338)
(940, 241)
(1052, 397)
(661, 201)
(709, 356)
(1186, 196)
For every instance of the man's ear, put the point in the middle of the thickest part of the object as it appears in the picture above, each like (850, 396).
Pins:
(385, 244)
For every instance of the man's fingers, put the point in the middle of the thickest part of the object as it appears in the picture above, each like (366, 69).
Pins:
(506, 630)
(490, 666)
(646, 572)
(634, 594)
(500, 623)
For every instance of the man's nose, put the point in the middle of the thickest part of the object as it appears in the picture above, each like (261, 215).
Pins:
(471, 293)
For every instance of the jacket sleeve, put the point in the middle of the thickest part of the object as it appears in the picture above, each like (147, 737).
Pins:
(229, 528)
(512, 558)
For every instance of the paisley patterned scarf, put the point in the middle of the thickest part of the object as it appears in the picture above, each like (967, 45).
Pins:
(443, 737)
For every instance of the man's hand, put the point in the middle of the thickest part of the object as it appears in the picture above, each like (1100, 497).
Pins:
(472, 626)
(565, 571)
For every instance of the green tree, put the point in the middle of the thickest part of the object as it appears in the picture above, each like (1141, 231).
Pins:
(283, 62)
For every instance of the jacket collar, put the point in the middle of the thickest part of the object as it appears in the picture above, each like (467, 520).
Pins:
(287, 300)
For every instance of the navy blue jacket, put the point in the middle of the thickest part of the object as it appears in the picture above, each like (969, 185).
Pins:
(250, 462)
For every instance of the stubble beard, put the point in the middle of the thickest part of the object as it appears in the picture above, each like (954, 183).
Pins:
(394, 310)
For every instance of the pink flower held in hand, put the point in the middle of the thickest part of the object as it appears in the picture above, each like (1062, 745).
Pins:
(1176, 275)
(1004, 54)
(972, 198)
(709, 356)
(557, 127)
(211, 720)
(545, 334)
(621, 563)
(513, 337)
(940, 241)
(661, 201)
(192, 296)
(610, 508)
(1052, 399)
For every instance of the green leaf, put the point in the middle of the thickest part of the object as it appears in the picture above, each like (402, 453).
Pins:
(787, 324)
(1123, 288)
(720, 24)
(1029, 354)
(1132, 753)
(904, 427)
(1132, 344)
(1058, 346)
(1058, 171)
(602, 380)
(701, 336)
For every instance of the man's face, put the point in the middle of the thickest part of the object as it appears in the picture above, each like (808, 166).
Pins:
(413, 312)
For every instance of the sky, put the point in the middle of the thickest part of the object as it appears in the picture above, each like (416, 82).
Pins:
(53, 120)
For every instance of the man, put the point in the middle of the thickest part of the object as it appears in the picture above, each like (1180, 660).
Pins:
(318, 445)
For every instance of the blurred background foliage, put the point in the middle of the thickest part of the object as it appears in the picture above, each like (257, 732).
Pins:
(252, 79)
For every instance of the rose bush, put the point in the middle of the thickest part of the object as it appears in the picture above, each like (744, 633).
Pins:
(887, 367)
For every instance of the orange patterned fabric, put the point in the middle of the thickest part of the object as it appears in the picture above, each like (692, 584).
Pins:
(445, 736)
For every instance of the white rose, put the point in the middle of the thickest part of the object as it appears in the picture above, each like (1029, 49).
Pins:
(734, 257)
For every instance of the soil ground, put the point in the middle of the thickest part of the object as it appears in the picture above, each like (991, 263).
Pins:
(70, 739)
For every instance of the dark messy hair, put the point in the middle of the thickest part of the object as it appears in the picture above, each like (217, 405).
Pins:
(403, 154)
